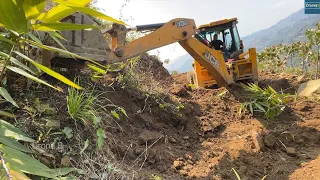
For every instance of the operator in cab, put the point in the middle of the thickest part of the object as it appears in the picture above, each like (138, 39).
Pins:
(216, 43)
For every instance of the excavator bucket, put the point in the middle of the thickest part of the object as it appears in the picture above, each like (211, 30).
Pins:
(90, 44)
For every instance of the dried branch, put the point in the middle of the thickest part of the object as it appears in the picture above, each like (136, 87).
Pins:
(5, 167)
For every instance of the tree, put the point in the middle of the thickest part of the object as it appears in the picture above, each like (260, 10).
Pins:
(314, 38)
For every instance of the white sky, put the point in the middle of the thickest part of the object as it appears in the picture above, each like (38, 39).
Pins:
(253, 15)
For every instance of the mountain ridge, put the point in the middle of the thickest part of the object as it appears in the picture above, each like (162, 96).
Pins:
(285, 31)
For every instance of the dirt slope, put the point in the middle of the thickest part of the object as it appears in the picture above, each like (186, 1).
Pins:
(179, 134)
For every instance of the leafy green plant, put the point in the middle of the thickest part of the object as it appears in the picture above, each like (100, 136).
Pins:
(21, 22)
(265, 100)
(15, 159)
(81, 105)
(155, 177)
(175, 72)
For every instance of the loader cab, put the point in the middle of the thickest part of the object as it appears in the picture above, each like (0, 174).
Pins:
(227, 32)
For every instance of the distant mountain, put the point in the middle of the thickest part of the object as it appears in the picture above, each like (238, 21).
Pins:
(286, 31)
(181, 64)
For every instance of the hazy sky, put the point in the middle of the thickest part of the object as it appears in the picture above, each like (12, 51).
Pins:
(253, 15)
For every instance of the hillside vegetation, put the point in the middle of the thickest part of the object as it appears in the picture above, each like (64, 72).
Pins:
(286, 31)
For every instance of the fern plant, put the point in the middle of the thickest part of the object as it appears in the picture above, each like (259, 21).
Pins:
(265, 100)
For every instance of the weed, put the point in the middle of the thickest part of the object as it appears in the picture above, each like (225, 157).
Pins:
(155, 177)
(81, 105)
(239, 178)
(265, 100)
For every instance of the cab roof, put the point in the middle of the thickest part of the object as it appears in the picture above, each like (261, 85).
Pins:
(215, 23)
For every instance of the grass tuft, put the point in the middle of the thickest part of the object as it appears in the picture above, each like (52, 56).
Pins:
(81, 105)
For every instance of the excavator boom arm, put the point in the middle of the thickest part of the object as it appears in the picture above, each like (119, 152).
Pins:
(177, 30)
(164, 34)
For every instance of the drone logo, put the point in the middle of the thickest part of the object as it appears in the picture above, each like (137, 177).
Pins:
(312, 6)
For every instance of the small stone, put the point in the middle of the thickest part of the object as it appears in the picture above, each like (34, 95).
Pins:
(149, 137)
(172, 140)
(243, 169)
(190, 162)
(270, 140)
(300, 141)
(54, 124)
(139, 150)
(186, 137)
(258, 141)
(183, 172)
(178, 165)
(179, 91)
(303, 108)
(188, 145)
(188, 156)
(291, 151)
(65, 161)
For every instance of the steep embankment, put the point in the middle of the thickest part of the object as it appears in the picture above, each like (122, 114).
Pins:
(173, 132)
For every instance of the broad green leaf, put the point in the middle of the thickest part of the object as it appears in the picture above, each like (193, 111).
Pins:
(61, 26)
(3, 38)
(260, 107)
(3, 113)
(18, 63)
(12, 15)
(16, 172)
(58, 35)
(27, 164)
(8, 133)
(4, 93)
(251, 109)
(54, 37)
(18, 175)
(14, 144)
(21, 157)
(124, 112)
(23, 73)
(62, 51)
(50, 72)
(59, 12)
(115, 114)
(11, 127)
(68, 132)
(101, 135)
(33, 37)
(88, 11)
(86, 144)
(97, 69)
(33, 8)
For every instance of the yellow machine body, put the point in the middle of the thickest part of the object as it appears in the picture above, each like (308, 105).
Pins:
(241, 67)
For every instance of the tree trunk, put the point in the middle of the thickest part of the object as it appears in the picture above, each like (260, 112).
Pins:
(317, 68)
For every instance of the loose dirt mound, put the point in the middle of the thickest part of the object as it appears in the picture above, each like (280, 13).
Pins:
(153, 67)
(196, 134)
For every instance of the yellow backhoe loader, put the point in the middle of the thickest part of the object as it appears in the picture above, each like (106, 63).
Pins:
(211, 66)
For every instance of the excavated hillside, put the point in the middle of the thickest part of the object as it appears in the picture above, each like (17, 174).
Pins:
(176, 132)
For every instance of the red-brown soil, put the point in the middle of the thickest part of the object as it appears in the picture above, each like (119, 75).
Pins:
(207, 138)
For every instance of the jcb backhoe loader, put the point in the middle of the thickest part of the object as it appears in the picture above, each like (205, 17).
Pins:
(221, 67)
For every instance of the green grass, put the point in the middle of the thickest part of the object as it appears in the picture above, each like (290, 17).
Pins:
(81, 105)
